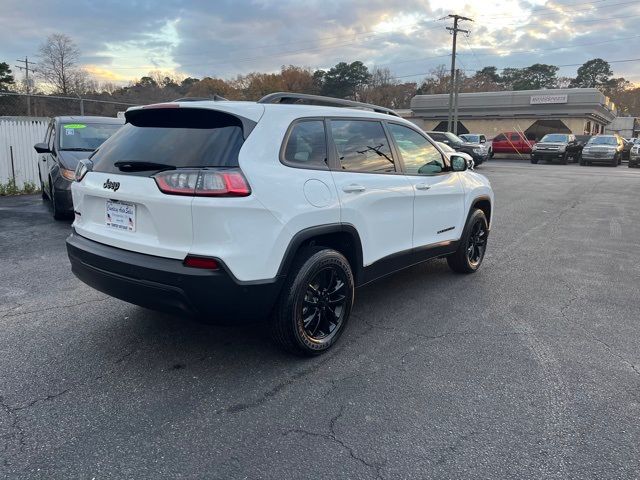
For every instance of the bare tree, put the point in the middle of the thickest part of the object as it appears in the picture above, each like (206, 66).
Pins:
(58, 64)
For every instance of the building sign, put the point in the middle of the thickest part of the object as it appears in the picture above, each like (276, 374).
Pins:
(544, 99)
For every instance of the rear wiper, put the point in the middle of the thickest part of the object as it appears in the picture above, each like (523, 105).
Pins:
(142, 166)
(78, 149)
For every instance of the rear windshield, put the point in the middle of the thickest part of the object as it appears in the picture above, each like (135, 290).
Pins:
(555, 137)
(174, 137)
(85, 136)
(471, 138)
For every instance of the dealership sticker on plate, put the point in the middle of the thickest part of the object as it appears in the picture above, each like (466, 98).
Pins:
(75, 126)
(120, 215)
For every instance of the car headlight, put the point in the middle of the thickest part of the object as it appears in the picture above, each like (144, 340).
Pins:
(477, 150)
(68, 174)
(535, 147)
(562, 148)
(636, 149)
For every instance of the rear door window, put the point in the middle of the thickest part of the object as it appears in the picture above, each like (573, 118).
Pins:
(175, 137)
(306, 145)
(500, 138)
(515, 137)
(362, 146)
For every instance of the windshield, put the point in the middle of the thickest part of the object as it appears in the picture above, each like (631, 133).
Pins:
(603, 141)
(456, 140)
(85, 136)
(471, 138)
(445, 148)
(555, 137)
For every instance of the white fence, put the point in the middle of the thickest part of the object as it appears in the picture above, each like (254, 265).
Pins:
(18, 159)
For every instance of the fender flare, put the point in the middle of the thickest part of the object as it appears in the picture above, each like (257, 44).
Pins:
(308, 234)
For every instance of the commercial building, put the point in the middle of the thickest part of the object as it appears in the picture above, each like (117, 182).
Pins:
(536, 112)
(626, 127)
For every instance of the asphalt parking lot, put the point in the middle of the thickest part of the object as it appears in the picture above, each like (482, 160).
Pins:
(528, 369)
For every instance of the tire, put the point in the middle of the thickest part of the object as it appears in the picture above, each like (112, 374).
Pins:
(42, 191)
(473, 244)
(57, 213)
(579, 159)
(615, 162)
(320, 282)
(534, 160)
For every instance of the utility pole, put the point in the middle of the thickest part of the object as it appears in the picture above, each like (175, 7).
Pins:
(455, 103)
(26, 72)
(452, 84)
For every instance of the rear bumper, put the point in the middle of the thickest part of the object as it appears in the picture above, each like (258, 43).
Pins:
(167, 285)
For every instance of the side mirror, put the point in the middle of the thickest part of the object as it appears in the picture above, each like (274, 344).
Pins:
(445, 141)
(42, 148)
(483, 140)
(458, 163)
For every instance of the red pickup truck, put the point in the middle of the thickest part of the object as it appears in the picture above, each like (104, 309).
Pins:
(512, 142)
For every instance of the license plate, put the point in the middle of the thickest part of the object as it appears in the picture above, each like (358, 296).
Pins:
(121, 215)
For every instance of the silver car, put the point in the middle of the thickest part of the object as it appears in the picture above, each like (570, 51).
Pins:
(603, 149)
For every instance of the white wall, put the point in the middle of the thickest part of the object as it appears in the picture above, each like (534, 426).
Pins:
(20, 134)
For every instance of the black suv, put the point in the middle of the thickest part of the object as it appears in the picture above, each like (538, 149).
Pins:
(479, 152)
(557, 146)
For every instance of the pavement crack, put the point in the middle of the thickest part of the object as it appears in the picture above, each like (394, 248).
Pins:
(280, 386)
(16, 432)
(333, 437)
(46, 309)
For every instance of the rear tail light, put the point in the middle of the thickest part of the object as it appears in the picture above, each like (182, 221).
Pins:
(201, 262)
(203, 183)
(83, 167)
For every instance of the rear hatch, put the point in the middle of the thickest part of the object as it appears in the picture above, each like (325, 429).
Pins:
(120, 203)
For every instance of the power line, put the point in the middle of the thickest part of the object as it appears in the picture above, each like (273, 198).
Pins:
(28, 85)
(365, 36)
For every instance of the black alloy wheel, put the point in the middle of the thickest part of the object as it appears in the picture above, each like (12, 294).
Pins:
(473, 244)
(315, 302)
(477, 242)
(324, 304)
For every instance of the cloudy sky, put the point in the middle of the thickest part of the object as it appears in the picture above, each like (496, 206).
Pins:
(123, 40)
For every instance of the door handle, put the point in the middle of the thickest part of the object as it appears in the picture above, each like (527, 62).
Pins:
(353, 188)
(422, 186)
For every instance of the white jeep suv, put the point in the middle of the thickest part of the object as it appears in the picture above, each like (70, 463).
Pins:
(276, 209)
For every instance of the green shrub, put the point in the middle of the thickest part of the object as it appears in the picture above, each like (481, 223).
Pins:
(10, 188)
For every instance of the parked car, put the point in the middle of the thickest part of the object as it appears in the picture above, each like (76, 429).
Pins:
(512, 142)
(477, 151)
(603, 149)
(556, 146)
(448, 151)
(235, 210)
(67, 140)
(478, 138)
(634, 155)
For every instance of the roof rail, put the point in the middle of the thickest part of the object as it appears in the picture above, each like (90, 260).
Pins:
(292, 98)
(215, 98)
